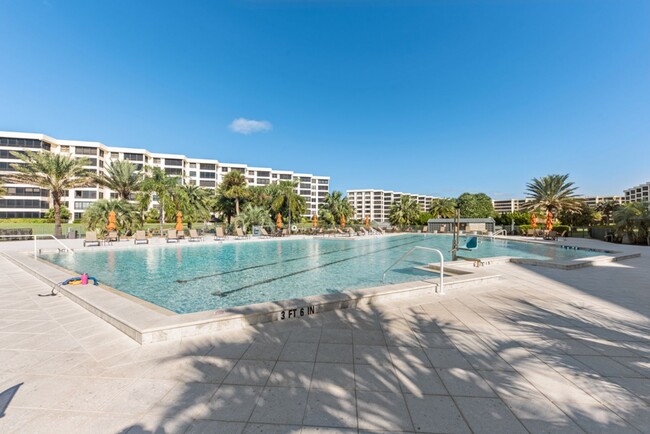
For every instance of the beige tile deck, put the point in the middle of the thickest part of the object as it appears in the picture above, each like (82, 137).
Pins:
(542, 350)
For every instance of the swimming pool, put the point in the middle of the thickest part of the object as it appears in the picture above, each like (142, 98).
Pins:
(204, 276)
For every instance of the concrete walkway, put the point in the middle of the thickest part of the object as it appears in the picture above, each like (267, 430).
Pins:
(542, 351)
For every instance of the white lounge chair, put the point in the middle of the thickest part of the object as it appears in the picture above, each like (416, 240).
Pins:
(172, 236)
(240, 234)
(194, 236)
(140, 237)
(91, 239)
(218, 234)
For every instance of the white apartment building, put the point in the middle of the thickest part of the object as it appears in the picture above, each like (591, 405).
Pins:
(514, 205)
(375, 204)
(26, 201)
(640, 193)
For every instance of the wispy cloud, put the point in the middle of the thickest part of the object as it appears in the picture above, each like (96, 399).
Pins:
(249, 126)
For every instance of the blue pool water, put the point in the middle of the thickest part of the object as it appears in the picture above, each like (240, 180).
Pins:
(202, 276)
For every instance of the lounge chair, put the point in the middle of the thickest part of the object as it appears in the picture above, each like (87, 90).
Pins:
(172, 236)
(113, 236)
(285, 232)
(363, 231)
(194, 236)
(530, 232)
(240, 234)
(340, 232)
(218, 234)
(91, 239)
(425, 229)
(351, 232)
(551, 235)
(264, 234)
(381, 231)
(140, 237)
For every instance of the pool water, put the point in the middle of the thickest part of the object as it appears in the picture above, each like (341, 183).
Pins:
(191, 278)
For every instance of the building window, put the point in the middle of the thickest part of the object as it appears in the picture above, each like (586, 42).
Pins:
(208, 175)
(156, 161)
(192, 165)
(80, 194)
(208, 166)
(206, 183)
(173, 162)
(283, 176)
(224, 169)
(85, 150)
(173, 172)
(23, 203)
(82, 205)
(193, 173)
(133, 157)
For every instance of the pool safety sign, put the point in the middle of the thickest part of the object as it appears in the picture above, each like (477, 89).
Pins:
(297, 312)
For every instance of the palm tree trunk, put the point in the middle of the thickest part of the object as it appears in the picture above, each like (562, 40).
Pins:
(237, 206)
(57, 216)
(162, 214)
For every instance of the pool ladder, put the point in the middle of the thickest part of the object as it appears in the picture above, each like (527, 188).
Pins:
(441, 287)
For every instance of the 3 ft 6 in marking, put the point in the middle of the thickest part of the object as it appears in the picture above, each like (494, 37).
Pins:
(297, 312)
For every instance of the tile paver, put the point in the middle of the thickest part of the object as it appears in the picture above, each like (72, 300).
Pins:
(543, 350)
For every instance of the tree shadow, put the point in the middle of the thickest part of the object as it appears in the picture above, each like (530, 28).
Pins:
(544, 359)
(6, 396)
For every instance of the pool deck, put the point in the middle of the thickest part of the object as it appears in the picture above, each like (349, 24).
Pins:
(538, 350)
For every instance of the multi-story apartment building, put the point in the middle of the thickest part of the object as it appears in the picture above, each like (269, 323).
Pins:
(640, 193)
(375, 204)
(514, 205)
(30, 202)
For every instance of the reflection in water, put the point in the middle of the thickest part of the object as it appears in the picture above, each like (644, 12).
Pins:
(150, 261)
(110, 261)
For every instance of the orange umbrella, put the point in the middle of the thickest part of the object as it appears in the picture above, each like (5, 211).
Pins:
(342, 220)
(112, 224)
(533, 221)
(179, 221)
(367, 221)
(314, 221)
(549, 221)
(279, 221)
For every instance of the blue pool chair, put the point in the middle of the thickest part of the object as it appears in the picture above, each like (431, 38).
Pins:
(471, 244)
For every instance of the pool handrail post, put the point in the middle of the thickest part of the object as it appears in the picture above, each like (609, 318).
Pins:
(35, 236)
(442, 265)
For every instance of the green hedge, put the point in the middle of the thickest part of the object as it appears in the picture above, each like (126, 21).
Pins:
(523, 229)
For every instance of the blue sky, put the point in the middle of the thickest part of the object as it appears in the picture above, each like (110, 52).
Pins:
(436, 97)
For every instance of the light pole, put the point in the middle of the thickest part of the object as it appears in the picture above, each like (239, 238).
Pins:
(456, 234)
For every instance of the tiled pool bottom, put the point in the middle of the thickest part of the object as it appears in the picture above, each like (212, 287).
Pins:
(213, 276)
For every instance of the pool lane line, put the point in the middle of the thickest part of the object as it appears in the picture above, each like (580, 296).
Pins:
(252, 267)
(273, 279)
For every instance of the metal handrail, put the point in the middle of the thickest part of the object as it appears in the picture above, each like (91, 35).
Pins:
(66, 248)
(500, 232)
(442, 265)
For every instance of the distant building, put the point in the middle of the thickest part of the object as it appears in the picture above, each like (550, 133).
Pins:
(640, 193)
(27, 201)
(375, 204)
(515, 205)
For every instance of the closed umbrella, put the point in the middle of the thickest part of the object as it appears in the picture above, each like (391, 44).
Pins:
(533, 221)
(112, 223)
(278, 222)
(367, 221)
(314, 221)
(549, 220)
(342, 221)
(179, 221)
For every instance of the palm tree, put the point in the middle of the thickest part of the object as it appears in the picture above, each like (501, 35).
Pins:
(95, 217)
(162, 185)
(287, 201)
(631, 216)
(607, 208)
(253, 215)
(223, 205)
(552, 193)
(404, 212)
(197, 203)
(235, 187)
(122, 177)
(443, 207)
(333, 207)
(54, 172)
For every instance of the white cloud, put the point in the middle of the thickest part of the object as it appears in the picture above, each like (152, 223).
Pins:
(249, 126)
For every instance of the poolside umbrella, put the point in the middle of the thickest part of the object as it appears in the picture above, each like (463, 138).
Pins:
(112, 224)
(179, 221)
(314, 221)
(342, 221)
(533, 221)
(367, 221)
(549, 221)
(279, 221)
